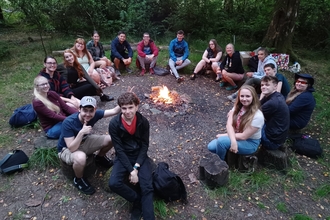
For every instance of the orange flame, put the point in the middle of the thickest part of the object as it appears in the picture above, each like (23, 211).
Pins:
(164, 95)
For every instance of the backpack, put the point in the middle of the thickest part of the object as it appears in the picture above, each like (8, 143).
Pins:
(253, 63)
(23, 115)
(306, 145)
(15, 161)
(167, 185)
(159, 71)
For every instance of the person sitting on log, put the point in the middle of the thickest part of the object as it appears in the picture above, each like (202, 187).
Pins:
(96, 49)
(130, 136)
(121, 52)
(210, 59)
(244, 125)
(57, 82)
(86, 61)
(78, 79)
(50, 108)
(276, 113)
(179, 52)
(147, 54)
(254, 77)
(231, 69)
(301, 101)
(283, 86)
(77, 141)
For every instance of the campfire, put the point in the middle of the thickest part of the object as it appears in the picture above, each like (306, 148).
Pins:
(162, 94)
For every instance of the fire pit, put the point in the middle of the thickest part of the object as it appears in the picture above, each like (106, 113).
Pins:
(168, 100)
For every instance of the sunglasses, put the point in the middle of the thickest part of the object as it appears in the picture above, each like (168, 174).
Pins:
(301, 82)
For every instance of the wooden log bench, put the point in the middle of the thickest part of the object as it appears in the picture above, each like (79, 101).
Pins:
(277, 159)
(241, 162)
(213, 170)
(89, 170)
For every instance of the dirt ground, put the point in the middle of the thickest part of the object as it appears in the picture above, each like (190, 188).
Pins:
(178, 138)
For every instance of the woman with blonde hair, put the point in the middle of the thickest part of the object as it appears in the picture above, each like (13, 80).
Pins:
(78, 79)
(86, 60)
(210, 59)
(50, 108)
(244, 125)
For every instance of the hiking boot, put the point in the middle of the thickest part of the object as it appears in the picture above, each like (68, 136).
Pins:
(106, 98)
(151, 71)
(229, 88)
(143, 71)
(128, 70)
(232, 96)
(179, 79)
(104, 161)
(83, 186)
(136, 213)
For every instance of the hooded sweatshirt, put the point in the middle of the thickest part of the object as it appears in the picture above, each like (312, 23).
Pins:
(260, 71)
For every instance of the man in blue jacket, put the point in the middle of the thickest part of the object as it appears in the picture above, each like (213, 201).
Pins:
(276, 113)
(179, 53)
(121, 52)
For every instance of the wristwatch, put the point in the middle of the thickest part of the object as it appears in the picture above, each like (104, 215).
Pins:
(136, 167)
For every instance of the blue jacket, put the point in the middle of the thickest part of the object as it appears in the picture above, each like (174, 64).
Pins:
(178, 49)
(119, 50)
(261, 64)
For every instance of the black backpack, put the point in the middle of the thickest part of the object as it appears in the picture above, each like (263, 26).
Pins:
(15, 161)
(305, 145)
(168, 185)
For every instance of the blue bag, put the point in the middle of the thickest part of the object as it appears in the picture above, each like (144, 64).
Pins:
(23, 115)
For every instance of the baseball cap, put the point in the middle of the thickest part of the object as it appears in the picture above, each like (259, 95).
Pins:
(88, 101)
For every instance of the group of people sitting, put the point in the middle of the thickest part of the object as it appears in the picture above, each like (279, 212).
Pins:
(67, 111)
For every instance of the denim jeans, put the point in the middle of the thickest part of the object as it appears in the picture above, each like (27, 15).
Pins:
(222, 144)
(55, 131)
(117, 185)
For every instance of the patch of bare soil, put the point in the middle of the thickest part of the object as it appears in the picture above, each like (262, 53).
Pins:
(177, 137)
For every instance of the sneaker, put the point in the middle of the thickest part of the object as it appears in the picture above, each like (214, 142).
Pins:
(179, 79)
(136, 213)
(106, 98)
(103, 161)
(151, 71)
(222, 84)
(229, 88)
(142, 72)
(117, 72)
(83, 186)
(232, 96)
(193, 76)
(128, 70)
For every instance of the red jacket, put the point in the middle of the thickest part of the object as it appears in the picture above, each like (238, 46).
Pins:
(152, 46)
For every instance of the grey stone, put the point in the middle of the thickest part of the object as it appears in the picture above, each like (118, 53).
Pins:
(45, 142)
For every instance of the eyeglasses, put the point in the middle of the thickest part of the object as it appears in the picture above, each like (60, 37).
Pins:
(43, 84)
(211, 44)
(50, 63)
(301, 82)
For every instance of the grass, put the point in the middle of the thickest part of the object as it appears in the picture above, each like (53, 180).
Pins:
(323, 191)
(44, 158)
(281, 207)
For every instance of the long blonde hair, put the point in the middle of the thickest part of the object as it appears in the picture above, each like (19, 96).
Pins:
(51, 106)
(247, 118)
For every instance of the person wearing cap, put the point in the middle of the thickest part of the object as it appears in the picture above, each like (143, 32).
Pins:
(301, 101)
(130, 136)
(76, 141)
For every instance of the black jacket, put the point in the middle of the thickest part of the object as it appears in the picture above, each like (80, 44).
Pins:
(233, 64)
(127, 145)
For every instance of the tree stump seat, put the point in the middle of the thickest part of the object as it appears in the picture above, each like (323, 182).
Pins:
(277, 159)
(213, 170)
(241, 162)
(89, 170)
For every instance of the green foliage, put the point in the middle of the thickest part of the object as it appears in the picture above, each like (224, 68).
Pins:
(281, 207)
(323, 191)
(160, 208)
(4, 51)
(301, 217)
(44, 158)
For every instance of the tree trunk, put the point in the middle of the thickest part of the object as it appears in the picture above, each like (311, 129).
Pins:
(2, 19)
(228, 5)
(281, 29)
